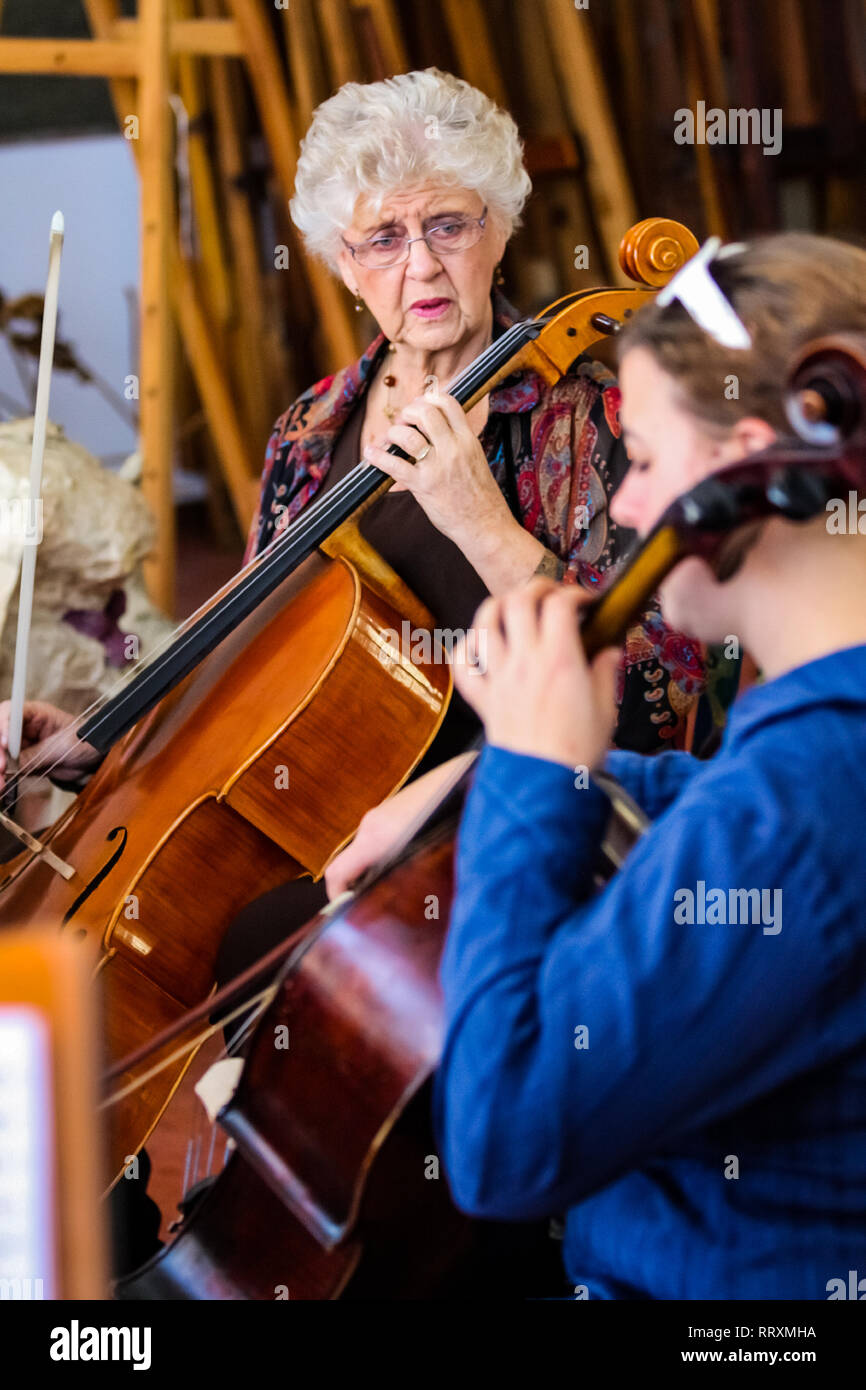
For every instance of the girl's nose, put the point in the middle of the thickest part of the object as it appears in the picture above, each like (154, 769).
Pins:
(624, 505)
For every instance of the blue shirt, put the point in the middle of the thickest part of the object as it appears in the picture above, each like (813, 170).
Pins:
(681, 1069)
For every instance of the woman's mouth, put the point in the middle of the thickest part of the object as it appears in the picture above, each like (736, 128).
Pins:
(430, 308)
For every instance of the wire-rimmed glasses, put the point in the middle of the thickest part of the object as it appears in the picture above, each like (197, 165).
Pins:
(455, 233)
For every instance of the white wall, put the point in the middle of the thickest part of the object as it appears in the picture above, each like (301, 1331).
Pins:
(94, 183)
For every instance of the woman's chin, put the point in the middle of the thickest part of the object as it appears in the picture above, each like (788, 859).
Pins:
(434, 334)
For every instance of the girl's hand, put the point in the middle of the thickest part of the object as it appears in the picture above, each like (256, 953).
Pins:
(532, 685)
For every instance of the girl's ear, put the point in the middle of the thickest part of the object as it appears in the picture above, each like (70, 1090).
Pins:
(750, 436)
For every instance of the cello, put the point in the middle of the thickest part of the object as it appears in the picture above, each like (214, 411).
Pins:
(328, 1191)
(244, 753)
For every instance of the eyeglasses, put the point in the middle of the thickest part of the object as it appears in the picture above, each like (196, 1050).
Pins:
(457, 234)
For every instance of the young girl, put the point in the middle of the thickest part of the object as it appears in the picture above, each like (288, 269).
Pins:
(680, 1070)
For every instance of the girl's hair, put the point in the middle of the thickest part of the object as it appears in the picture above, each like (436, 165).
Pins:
(378, 138)
(788, 289)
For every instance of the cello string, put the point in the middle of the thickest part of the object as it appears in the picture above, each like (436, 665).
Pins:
(56, 740)
(211, 1149)
(472, 377)
(185, 1178)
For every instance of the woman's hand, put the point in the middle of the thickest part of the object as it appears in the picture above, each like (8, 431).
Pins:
(453, 484)
(48, 742)
(382, 828)
(533, 687)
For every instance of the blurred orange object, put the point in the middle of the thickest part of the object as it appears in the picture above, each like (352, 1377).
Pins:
(53, 1242)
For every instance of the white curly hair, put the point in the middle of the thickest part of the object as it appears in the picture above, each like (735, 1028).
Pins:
(374, 139)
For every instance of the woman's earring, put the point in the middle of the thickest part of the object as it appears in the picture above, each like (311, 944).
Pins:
(359, 303)
(498, 277)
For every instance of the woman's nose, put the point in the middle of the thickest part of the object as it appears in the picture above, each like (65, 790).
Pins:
(422, 264)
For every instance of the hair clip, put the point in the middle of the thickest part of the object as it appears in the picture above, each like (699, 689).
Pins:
(701, 297)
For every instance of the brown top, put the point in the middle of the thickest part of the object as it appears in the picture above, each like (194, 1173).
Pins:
(435, 569)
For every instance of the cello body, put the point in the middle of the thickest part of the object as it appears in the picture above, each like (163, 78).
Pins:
(252, 772)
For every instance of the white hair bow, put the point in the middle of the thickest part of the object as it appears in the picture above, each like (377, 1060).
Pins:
(701, 297)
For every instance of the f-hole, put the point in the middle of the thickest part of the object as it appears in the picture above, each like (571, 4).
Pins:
(103, 872)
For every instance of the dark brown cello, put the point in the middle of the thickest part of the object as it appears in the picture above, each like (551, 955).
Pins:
(245, 753)
(333, 1189)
